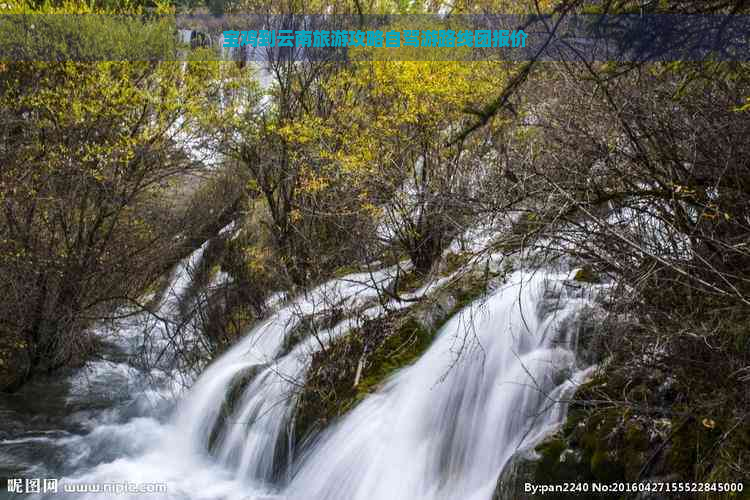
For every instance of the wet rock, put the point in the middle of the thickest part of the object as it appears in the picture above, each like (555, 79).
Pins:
(232, 398)
(551, 462)
(519, 470)
(590, 335)
(436, 311)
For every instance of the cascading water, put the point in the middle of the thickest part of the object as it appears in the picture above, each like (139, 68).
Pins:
(440, 429)
(444, 427)
(248, 443)
(105, 410)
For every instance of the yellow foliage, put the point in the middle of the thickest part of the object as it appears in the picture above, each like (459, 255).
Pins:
(709, 423)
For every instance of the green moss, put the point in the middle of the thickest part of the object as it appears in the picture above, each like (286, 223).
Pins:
(587, 275)
(549, 451)
(557, 463)
(595, 437)
(455, 261)
(606, 468)
(607, 442)
(330, 392)
(392, 342)
(329, 387)
(401, 349)
(595, 443)
(214, 270)
(342, 271)
(233, 396)
(635, 453)
(410, 281)
(669, 409)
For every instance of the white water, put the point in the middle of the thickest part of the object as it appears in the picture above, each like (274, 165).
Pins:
(154, 340)
(444, 427)
(440, 429)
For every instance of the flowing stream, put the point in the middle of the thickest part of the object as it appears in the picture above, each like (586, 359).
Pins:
(441, 428)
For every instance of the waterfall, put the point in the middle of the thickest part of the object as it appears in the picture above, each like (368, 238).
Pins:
(444, 427)
(146, 336)
(156, 338)
(441, 428)
(185, 36)
(247, 443)
(70, 423)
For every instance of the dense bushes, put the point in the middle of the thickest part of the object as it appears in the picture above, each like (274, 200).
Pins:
(657, 198)
(91, 156)
(646, 174)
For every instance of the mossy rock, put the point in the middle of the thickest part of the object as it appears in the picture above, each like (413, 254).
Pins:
(664, 404)
(391, 342)
(309, 325)
(586, 274)
(232, 398)
(552, 461)
(455, 261)
(519, 470)
(606, 442)
(409, 340)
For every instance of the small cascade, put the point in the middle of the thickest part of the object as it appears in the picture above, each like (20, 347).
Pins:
(147, 339)
(247, 443)
(102, 411)
(442, 428)
(185, 36)
(156, 338)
